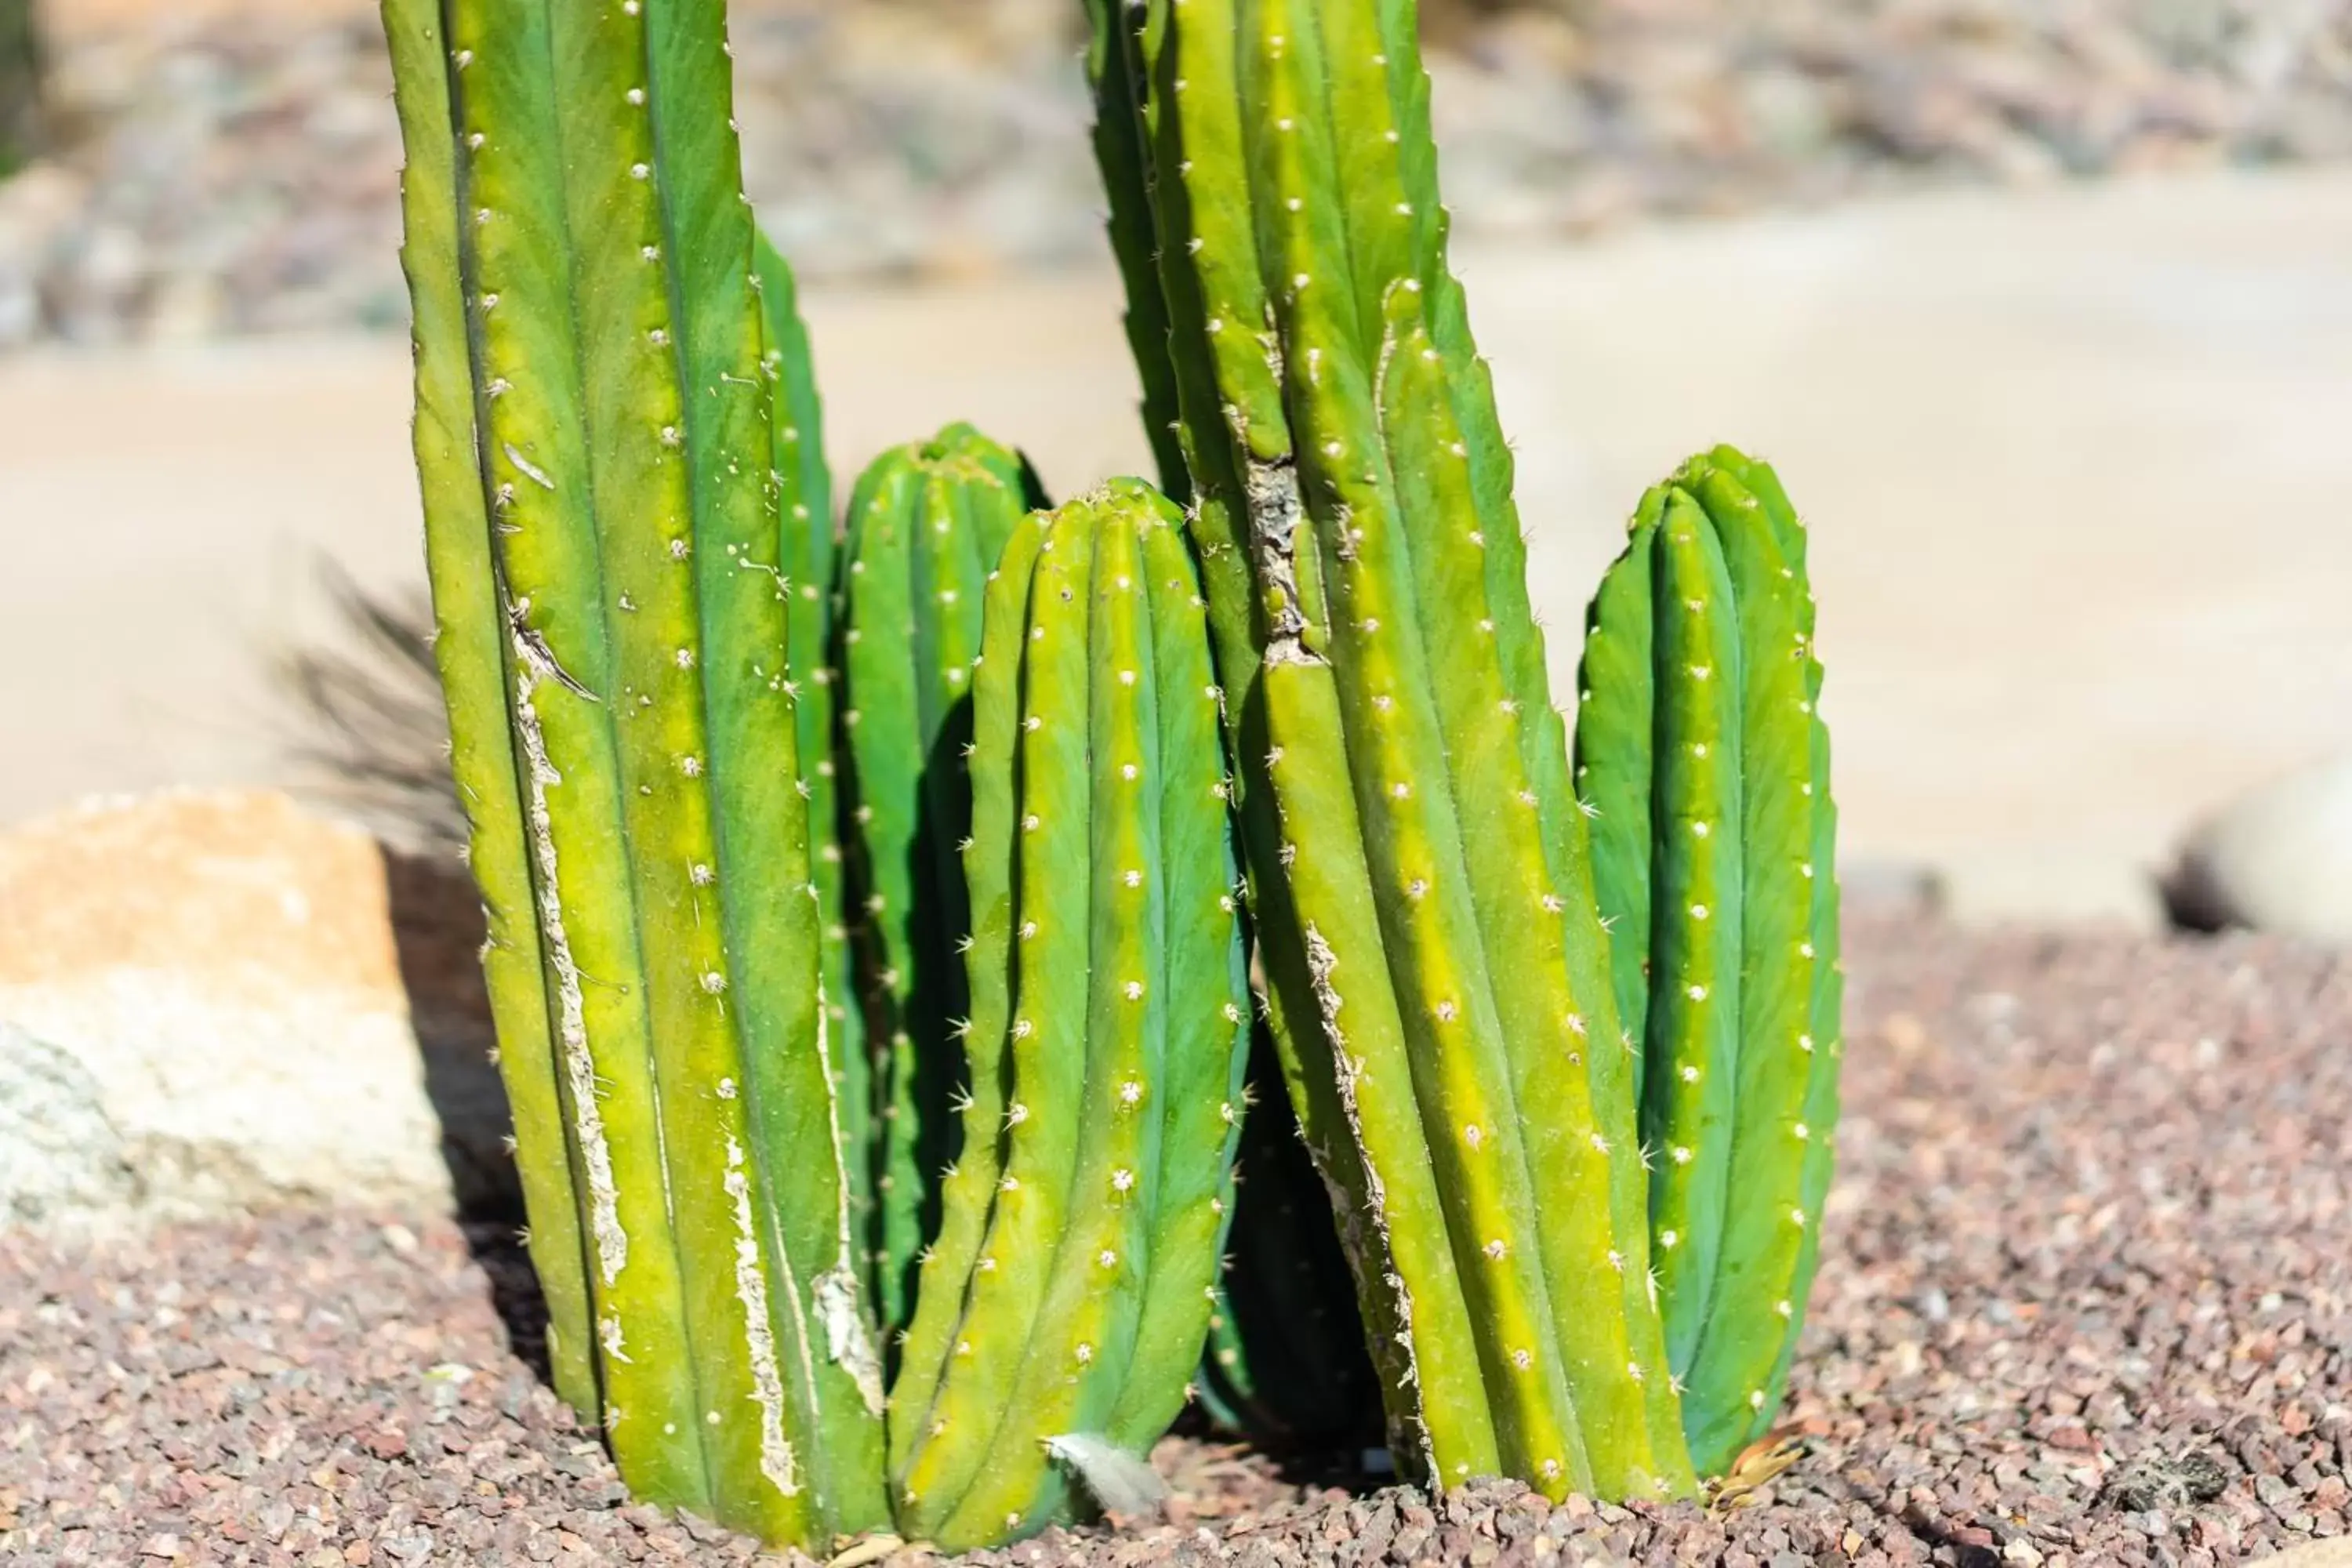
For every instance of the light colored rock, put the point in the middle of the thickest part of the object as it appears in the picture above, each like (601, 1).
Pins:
(2278, 859)
(210, 1010)
(2336, 1554)
(60, 1155)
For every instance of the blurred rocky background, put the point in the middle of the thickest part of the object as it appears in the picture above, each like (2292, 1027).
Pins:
(211, 169)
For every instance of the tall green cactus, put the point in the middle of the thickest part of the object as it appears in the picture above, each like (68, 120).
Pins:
(595, 439)
(1439, 975)
(927, 521)
(1699, 744)
(1066, 1295)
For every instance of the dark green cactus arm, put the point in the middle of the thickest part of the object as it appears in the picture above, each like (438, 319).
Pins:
(1285, 1359)
(806, 493)
(1824, 1059)
(927, 523)
(886, 754)
(1712, 586)
(968, 1189)
(1615, 717)
(805, 528)
(470, 649)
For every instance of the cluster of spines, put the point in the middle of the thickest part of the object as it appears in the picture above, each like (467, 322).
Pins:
(596, 440)
(1068, 1289)
(926, 524)
(1422, 899)
(1701, 749)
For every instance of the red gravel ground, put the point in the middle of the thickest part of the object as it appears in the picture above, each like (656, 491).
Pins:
(2088, 1299)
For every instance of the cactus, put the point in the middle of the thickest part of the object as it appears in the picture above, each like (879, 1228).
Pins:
(927, 521)
(1576, 1177)
(1698, 741)
(1439, 977)
(1064, 1302)
(595, 440)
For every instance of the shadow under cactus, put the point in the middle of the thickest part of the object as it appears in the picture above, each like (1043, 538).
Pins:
(369, 738)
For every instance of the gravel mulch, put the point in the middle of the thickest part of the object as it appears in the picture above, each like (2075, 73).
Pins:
(239, 175)
(2088, 1299)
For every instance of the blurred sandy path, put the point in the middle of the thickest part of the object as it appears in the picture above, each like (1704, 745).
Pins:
(2076, 466)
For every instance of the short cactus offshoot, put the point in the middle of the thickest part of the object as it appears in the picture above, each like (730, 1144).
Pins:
(1068, 1292)
(927, 523)
(594, 436)
(1699, 744)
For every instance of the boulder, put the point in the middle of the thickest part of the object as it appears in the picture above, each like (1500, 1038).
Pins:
(214, 1001)
(2336, 1554)
(2278, 859)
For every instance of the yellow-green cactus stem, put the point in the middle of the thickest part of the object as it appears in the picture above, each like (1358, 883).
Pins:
(1699, 740)
(1439, 979)
(1070, 1290)
(623, 444)
(926, 523)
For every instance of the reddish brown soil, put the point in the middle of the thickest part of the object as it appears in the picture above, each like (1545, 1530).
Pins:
(2088, 1299)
